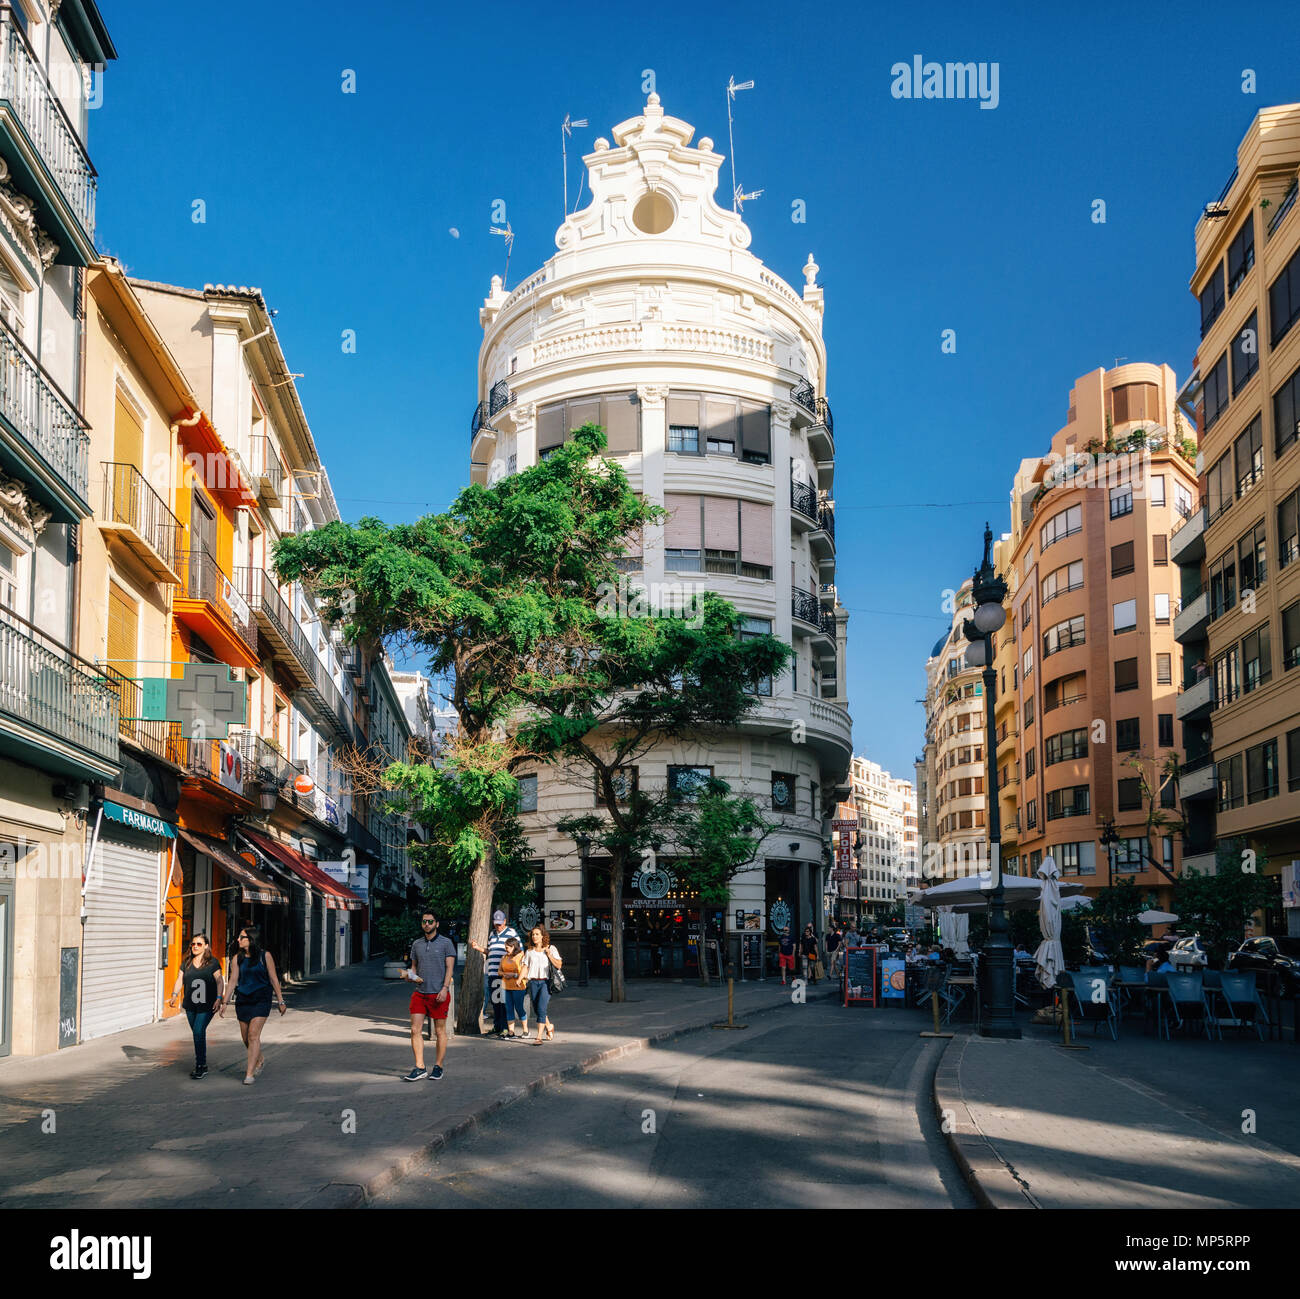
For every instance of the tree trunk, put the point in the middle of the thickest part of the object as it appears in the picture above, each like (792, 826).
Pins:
(470, 1004)
(617, 990)
(703, 950)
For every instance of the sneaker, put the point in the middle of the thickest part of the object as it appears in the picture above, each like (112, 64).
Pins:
(415, 1075)
(202, 1071)
(437, 1072)
(196, 1072)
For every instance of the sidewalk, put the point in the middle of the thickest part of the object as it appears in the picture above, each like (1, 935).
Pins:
(1138, 1123)
(330, 1119)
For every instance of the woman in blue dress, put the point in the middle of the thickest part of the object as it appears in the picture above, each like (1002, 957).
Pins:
(253, 977)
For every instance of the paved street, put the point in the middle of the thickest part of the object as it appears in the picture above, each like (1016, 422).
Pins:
(811, 1107)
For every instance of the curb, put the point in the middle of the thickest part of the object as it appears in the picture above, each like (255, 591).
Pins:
(353, 1195)
(992, 1181)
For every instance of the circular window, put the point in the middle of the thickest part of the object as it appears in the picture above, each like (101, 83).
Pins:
(653, 213)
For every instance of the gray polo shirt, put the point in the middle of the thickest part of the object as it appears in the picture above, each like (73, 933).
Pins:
(429, 956)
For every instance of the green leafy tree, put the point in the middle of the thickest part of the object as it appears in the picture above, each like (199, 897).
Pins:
(1158, 779)
(642, 682)
(1220, 906)
(496, 593)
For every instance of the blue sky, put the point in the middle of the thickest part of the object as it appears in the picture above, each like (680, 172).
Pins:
(924, 215)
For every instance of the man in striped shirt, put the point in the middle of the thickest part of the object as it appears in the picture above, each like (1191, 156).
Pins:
(493, 991)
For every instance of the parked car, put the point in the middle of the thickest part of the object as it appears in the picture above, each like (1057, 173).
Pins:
(897, 937)
(1274, 961)
(1187, 955)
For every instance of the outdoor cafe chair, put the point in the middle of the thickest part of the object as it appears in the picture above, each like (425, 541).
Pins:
(1130, 979)
(1085, 987)
(1238, 991)
(1188, 1000)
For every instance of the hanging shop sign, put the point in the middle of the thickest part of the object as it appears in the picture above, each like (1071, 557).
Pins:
(778, 915)
(137, 820)
(232, 768)
(561, 922)
(206, 699)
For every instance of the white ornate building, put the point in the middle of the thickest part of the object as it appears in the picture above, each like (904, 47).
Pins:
(708, 373)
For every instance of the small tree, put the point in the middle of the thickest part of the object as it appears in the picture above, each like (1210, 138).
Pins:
(1219, 906)
(1114, 914)
(1157, 775)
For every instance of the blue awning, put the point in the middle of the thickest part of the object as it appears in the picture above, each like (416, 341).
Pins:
(129, 816)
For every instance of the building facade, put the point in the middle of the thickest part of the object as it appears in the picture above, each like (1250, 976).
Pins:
(1240, 623)
(888, 843)
(58, 717)
(1094, 678)
(708, 373)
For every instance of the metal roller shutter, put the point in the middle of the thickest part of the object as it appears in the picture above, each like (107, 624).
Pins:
(119, 964)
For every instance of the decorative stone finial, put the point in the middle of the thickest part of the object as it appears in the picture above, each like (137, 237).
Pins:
(706, 144)
(602, 144)
(496, 285)
(810, 269)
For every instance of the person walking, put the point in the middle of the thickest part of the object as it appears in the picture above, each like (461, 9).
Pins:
(809, 947)
(200, 980)
(493, 992)
(835, 948)
(431, 967)
(253, 976)
(515, 986)
(785, 954)
(537, 962)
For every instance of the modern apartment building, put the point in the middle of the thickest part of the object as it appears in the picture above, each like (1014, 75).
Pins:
(1240, 623)
(58, 717)
(1094, 680)
(708, 373)
(954, 753)
(887, 848)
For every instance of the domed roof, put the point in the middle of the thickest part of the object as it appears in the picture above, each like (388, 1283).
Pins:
(938, 646)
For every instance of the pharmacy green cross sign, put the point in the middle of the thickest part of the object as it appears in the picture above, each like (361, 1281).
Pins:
(207, 700)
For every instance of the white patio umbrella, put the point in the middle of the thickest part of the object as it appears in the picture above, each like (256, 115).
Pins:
(1049, 958)
(972, 893)
(1157, 918)
(1076, 903)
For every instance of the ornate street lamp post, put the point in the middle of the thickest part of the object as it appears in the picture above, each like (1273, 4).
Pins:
(584, 849)
(989, 590)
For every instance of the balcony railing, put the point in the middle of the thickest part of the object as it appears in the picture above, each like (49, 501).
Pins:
(823, 410)
(47, 686)
(41, 415)
(803, 497)
(267, 464)
(1288, 202)
(264, 597)
(805, 606)
(202, 579)
(826, 519)
(805, 396)
(162, 739)
(827, 623)
(479, 419)
(129, 499)
(23, 83)
(500, 397)
(266, 765)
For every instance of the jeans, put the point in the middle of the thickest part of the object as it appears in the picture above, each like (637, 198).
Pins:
(199, 1021)
(539, 990)
(515, 1004)
(496, 998)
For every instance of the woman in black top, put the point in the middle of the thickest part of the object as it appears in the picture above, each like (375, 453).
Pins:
(200, 980)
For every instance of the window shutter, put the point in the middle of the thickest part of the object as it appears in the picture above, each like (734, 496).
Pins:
(721, 523)
(550, 427)
(128, 436)
(619, 413)
(1160, 548)
(577, 413)
(123, 621)
(756, 535)
(720, 421)
(684, 408)
(1119, 404)
(682, 530)
(756, 430)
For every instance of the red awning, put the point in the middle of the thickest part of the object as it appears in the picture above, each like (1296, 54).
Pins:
(254, 886)
(336, 896)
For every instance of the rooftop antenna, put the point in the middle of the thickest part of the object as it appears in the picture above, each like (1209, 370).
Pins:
(509, 236)
(732, 87)
(566, 130)
(738, 199)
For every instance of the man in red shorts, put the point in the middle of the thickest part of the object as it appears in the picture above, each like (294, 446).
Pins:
(785, 954)
(432, 965)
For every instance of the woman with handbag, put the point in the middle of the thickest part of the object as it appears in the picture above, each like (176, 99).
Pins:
(541, 963)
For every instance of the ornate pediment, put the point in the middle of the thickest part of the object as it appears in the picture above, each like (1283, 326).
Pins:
(18, 216)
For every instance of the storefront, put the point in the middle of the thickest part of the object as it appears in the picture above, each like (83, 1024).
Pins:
(322, 912)
(125, 937)
(224, 891)
(661, 924)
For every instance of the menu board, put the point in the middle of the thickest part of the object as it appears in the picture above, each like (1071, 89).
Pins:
(860, 975)
(751, 951)
(893, 979)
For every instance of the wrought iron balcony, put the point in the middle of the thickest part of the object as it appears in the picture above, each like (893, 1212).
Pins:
(824, 415)
(209, 602)
(53, 447)
(500, 397)
(805, 606)
(162, 739)
(45, 686)
(1288, 202)
(136, 515)
(50, 135)
(803, 498)
(268, 469)
(267, 766)
(277, 623)
(479, 420)
(805, 396)
(826, 519)
(827, 622)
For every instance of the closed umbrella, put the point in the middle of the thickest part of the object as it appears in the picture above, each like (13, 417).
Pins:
(954, 926)
(1049, 958)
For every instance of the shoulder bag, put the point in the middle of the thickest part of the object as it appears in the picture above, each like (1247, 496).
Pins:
(555, 980)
